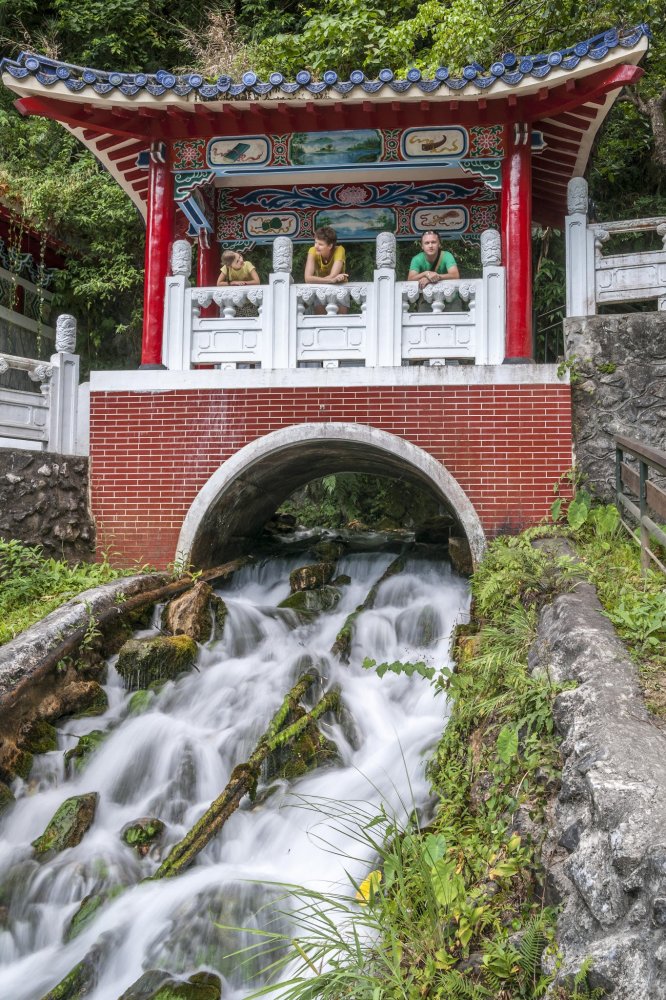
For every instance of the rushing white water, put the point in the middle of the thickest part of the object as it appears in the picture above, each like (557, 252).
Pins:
(172, 760)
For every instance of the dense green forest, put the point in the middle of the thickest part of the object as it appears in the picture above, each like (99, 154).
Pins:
(63, 190)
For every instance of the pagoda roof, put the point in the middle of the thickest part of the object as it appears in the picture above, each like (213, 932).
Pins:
(565, 94)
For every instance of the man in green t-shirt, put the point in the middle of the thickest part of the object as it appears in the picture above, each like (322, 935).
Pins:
(433, 264)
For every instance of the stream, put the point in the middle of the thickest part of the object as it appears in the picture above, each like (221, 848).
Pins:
(174, 758)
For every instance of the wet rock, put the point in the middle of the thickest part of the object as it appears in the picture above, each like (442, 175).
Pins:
(421, 629)
(311, 577)
(435, 530)
(88, 909)
(77, 758)
(312, 601)
(140, 701)
(38, 736)
(155, 985)
(14, 762)
(143, 833)
(82, 979)
(198, 613)
(142, 661)
(6, 797)
(68, 825)
(328, 550)
(341, 581)
(460, 555)
(78, 698)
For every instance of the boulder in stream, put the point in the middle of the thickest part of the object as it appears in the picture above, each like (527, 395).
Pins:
(156, 985)
(460, 555)
(311, 577)
(6, 797)
(14, 761)
(78, 699)
(77, 757)
(198, 612)
(88, 909)
(143, 833)
(38, 736)
(142, 661)
(312, 601)
(310, 750)
(68, 825)
(328, 549)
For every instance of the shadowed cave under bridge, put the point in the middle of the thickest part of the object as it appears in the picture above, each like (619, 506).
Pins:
(229, 512)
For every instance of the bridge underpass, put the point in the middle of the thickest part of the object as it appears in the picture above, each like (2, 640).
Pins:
(231, 509)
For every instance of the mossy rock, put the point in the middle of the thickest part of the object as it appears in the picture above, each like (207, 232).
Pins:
(6, 797)
(77, 758)
(96, 701)
(82, 979)
(198, 613)
(156, 985)
(143, 833)
(14, 761)
(312, 601)
(341, 581)
(68, 825)
(328, 550)
(140, 701)
(311, 577)
(39, 737)
(89, 907)
(142, 661)
(422, 630)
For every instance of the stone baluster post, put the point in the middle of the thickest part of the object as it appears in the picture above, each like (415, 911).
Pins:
(491, 310)
(64, 389)
(177, 338)
(279, 325)
(580, 253)
(383, 338)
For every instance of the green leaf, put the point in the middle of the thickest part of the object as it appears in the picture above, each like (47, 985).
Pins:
(507, 744)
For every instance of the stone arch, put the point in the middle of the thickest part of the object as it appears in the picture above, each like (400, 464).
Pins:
(241, 496)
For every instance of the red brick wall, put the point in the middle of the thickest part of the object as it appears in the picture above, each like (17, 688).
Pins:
(152, 452)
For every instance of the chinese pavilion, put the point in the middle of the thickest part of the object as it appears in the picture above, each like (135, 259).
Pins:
(233, 164)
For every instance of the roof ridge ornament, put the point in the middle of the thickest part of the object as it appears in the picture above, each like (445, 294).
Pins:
(510, 69)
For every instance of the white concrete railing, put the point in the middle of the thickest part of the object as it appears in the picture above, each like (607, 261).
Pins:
(593, 279)
(9, 282)
(50, 419)
(359, 323)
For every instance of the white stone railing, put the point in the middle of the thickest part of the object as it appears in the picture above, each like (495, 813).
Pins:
(33, 298)
(593, 279)
(48, 420)
(290, 325)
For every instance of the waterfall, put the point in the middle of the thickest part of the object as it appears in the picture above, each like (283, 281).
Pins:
(172, 760)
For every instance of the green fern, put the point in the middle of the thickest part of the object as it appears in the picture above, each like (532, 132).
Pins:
(456, 986)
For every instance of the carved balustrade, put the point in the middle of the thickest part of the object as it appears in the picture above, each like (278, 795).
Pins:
(595, 279)
(359, 323)
(48, 420)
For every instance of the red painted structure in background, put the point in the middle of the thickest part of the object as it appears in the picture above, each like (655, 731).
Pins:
(151, 452)
(517, 245)
(159, 235)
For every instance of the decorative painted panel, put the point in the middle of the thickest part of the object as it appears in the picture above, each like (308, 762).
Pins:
(247, 216)
(445, 145)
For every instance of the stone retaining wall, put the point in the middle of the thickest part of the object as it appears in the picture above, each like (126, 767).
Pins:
(618, 383)
(605, 853)
(44, 501)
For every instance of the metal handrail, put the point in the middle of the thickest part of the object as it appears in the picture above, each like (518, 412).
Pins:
(650, 496)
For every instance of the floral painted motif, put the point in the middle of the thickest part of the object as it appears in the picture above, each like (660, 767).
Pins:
(354, 194)
(189, 154)
(486, 140)
(483, 217)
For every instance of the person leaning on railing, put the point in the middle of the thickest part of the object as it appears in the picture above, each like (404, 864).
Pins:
(432, 264)
(237, 271)
(325, 263)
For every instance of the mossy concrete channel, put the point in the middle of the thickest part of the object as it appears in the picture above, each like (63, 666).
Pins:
(604, 850)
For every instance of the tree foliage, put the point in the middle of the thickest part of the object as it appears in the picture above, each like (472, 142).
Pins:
(62, 189)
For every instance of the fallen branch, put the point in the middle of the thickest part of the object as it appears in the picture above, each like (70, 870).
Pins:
(244, 777)
(343, 640)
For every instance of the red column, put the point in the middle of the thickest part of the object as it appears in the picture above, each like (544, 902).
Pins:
(208, 267)
(159, 234)
(517, 244)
